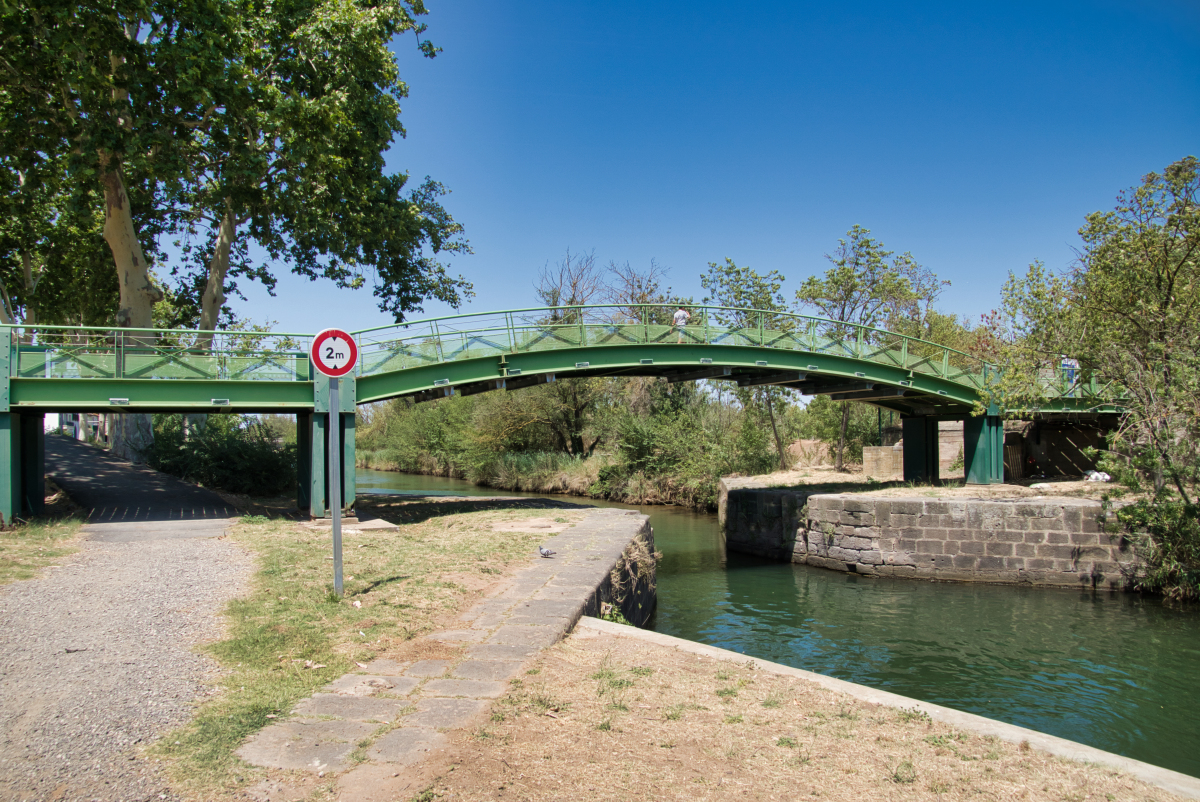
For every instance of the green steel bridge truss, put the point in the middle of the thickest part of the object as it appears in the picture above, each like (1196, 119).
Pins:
(86, 369)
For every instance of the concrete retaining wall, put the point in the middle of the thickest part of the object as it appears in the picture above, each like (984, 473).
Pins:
(1052, 541)
(885, 463)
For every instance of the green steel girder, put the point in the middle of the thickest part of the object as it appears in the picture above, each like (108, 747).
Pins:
(631, 360)
(159, 395)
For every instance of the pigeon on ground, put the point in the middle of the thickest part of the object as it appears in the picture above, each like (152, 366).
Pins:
(545, 552)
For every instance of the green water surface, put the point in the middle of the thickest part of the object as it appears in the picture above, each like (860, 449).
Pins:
(1116, 671)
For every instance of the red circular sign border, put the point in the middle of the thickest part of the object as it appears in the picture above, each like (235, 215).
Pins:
(322, 336)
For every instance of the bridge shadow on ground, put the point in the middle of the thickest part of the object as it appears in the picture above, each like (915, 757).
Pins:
(415, 509)
(110, 490)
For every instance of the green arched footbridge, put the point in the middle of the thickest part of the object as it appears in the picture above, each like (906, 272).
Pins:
(82, 369)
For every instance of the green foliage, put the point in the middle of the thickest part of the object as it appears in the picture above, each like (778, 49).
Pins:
(642, 438)
(1167, 537)
(239, 455)
(822, 420)
(1126, 312)
(868, 285)
(742, 287)
(229, 125)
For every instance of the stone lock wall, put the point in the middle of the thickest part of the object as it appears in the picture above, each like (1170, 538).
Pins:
(1056, 542)
(631, 584)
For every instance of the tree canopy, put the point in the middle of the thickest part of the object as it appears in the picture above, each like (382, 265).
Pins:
(868, 285)
(199, 118)
(1122, 325)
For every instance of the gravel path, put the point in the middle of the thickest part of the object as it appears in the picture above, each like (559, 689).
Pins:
(97, 659)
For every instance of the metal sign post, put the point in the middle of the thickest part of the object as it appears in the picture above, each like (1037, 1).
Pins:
(334, 353)
(335, 482)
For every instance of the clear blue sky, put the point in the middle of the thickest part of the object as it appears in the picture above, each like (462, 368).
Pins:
(974, 135)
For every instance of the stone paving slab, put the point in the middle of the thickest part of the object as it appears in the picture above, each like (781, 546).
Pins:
(478, 689)
(315, 746)
(427, 668)
(352, 708)
(372, 685)
(538, 637)
(500, 651)
(445, 714)
(488, 669)
(459, 636)
(406, 745)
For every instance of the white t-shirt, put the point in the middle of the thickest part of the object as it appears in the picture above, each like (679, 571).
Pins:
(681, 317)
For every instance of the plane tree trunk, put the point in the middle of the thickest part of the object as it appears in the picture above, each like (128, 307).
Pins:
(218, 268)
(783, 462)
(132, 433)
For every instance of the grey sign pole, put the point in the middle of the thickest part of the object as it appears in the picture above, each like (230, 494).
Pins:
(335, 481)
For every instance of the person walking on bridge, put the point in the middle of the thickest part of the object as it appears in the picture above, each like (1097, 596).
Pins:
(680, 319)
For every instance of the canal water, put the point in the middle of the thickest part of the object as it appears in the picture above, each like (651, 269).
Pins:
(1114, 671)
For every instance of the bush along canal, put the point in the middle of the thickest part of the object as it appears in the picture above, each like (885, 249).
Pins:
(1115, 671)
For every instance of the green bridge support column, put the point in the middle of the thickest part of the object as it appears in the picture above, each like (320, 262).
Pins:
(983, 450)
(313, 463)
(920, 449)
(22, 465)
(304, 425)
(319, 464)
(10, 466)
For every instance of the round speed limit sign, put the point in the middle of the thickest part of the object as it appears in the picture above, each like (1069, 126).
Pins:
(334, 352)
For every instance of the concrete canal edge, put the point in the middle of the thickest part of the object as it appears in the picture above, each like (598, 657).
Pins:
(1057, 542)
(1173, 781)
(398, 713)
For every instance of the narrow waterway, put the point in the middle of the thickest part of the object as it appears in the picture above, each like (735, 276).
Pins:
(1114, 671)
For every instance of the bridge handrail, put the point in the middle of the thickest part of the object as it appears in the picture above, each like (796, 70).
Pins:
(216, 332)
(580, 307)
(54, 351)
(176, 353)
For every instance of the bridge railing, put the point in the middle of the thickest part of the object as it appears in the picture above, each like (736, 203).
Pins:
(90, 352)
(455, 337)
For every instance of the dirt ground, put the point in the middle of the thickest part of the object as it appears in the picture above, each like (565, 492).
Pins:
(855, 481)
(601, 717)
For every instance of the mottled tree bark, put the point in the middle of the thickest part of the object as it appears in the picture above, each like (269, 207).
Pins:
(138, 293)
(218, 267)
(131, 433)
(783, 462)
(841, 448)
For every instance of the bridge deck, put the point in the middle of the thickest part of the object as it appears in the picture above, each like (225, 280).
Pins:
(75, 369)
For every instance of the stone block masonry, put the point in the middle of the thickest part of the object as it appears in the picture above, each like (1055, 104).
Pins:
(1051, 541)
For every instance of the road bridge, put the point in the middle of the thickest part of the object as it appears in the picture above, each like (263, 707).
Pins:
(123, 370)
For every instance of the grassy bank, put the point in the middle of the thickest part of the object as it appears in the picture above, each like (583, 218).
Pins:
(31, 546)
(599, 476)
(289, 635)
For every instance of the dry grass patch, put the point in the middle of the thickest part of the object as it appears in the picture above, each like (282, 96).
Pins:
(290, 635)
(31, 546)
(609, 718)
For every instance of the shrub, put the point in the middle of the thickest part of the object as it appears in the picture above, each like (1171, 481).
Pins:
(234, 453)
(1167, 539)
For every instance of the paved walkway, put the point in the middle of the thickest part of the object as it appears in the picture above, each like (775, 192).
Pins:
(415, 705)
(97, 657)
(114, 491)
